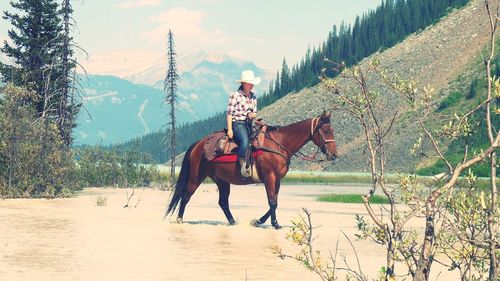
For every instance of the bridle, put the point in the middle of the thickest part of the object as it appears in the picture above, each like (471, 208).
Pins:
(315, 125)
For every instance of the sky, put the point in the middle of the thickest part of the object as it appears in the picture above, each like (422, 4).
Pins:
(123, 36)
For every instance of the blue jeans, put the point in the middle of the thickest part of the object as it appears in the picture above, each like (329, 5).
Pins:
(241, 130)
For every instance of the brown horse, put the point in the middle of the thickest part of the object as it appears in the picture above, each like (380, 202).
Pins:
(280, 145)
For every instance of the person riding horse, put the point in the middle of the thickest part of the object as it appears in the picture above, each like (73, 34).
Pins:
(278, 147)
(241, 110)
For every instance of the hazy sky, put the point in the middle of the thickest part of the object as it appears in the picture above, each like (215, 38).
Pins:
(129, 35)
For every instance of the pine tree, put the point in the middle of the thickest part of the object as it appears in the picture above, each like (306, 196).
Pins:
(277, 87)
(357, 46)
(170, 88)
(270, 91)
(36, 42)
(285, 78)
(68, 107)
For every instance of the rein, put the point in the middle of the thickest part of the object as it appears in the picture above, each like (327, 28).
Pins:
(300, 155)
(312, 158)
(267, 136)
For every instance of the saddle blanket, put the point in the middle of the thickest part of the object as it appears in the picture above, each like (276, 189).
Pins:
(231, 158)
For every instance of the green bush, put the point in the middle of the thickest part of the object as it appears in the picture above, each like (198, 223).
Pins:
(101, 201)
(476, 142)
(100, 167)
(450, 100)
(473, 89)
(33, 159)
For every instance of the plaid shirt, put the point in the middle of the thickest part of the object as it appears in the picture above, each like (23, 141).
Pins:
(239, 105)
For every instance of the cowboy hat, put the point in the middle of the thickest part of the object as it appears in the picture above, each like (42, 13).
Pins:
(247, 76)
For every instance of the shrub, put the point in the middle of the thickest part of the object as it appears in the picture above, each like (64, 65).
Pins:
(450, 100)
(100, 167)
(101, 201)
(34, 162)
(473, 89)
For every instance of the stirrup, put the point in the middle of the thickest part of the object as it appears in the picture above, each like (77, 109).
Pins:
(245, 172)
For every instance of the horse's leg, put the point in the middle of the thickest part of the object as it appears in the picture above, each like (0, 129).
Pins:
(191, 188)
(272, 189)
(273, 204)
(224, 190)
(264, 218)
(197, 175)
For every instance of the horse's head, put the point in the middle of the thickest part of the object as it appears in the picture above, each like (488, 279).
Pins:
(322, 135)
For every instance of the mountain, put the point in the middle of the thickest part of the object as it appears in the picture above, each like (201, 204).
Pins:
(117, 110)
(207, 85)
(185, 63)
(446, 56)
(413, 46)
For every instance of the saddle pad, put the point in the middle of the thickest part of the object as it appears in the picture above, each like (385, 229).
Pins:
(231, 158)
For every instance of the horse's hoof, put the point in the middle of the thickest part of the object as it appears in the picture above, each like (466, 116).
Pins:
(232, 222)
(179, 220)
(255, 222)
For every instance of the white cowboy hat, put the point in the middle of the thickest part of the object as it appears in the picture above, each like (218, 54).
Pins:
(247, 76)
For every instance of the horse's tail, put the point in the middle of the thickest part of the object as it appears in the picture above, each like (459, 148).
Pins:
(181, 184)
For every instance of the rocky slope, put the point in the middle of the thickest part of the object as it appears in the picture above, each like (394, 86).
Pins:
(438, 56)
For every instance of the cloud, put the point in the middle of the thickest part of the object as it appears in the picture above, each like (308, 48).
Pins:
(187, 26)
(138, 3)
(121, 63)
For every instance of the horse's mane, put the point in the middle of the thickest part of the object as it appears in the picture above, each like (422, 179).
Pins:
(272, 128)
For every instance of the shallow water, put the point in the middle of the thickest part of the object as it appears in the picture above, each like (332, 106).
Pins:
(73, 239)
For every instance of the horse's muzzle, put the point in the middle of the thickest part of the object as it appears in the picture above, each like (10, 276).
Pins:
(332, 157)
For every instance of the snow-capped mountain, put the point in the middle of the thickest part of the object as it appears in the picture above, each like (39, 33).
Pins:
(118, 109)
(185, 63)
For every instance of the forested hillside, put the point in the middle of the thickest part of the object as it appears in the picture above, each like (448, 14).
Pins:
(371, 32)
(446, 57)
(374, 31)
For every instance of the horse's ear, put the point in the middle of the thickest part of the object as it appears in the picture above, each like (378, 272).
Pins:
(326, 115)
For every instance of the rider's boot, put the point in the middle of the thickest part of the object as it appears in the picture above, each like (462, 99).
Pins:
(245, 172)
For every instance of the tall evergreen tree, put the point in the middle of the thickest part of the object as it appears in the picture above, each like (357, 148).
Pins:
(41, 51)
(277, 86)
(36, 43)
(285, 77)
(68, 103)
(170, 88)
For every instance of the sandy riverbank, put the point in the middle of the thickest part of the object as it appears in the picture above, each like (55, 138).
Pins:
(73, 239)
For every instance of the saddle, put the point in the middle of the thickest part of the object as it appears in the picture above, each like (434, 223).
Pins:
(219, 149)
